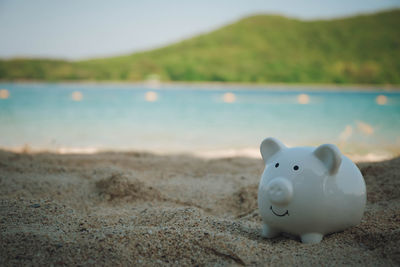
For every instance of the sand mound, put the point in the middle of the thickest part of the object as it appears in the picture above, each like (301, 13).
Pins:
(121, 187)
(242, 202)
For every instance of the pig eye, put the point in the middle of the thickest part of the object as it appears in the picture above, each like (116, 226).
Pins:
(295, 167)
(276, 165)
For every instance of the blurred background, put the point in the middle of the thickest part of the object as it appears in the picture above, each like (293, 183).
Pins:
(210, 78)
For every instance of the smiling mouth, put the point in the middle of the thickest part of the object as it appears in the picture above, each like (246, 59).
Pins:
(280, 215)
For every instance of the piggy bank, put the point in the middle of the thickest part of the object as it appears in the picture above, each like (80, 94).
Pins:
(308, 191)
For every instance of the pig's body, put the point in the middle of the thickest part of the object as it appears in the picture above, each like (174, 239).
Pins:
(308, 191)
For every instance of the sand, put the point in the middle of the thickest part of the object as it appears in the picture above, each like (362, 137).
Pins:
(143, 209)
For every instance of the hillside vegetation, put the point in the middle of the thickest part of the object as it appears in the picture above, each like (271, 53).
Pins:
(263, 48)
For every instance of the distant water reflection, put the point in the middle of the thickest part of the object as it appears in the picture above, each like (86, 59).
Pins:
(65, 117)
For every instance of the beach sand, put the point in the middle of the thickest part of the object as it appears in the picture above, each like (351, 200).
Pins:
(144, 209)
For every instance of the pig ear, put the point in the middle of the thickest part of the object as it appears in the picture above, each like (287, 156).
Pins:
(269, 147)
(330, 157)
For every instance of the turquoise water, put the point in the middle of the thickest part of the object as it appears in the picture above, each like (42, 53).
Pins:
(190, 119)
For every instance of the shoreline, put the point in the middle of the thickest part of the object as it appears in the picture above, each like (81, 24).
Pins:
(231, 85)
(249, 152)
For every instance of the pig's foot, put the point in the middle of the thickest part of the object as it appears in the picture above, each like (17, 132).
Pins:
(269, 232)
(311, 238)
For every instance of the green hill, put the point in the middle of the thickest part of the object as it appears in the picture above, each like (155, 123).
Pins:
(263, 48)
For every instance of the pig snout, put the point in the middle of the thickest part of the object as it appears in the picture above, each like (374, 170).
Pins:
(280, 191)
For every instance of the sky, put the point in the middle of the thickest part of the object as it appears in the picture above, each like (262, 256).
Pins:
(80, 29)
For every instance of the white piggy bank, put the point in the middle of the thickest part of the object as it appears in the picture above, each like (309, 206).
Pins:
(308, 191)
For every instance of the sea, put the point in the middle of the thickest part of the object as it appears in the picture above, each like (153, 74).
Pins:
(207, 120)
